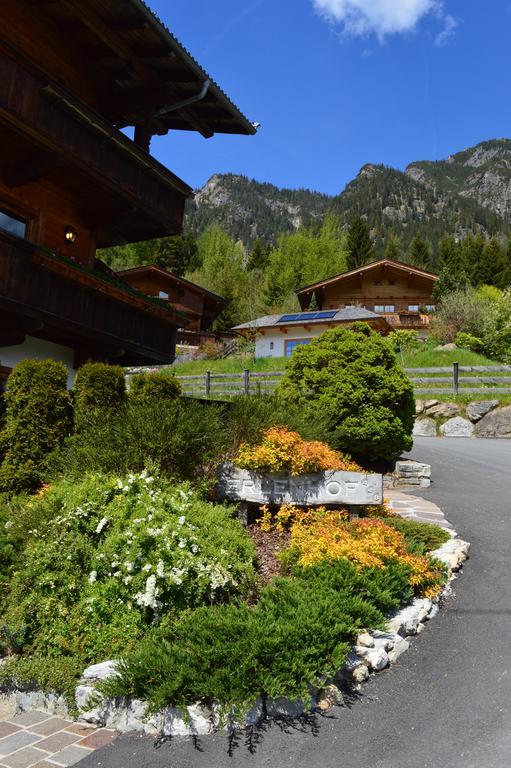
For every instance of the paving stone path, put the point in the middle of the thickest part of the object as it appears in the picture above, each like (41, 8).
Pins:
(35, 739)
(415, 508)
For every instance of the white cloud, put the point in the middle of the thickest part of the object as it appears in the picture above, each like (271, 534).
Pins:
(450, 24)
(384, 17)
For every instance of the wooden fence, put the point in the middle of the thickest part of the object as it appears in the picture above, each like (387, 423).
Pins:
(454, 380)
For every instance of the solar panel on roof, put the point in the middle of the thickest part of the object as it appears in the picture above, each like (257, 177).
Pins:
(304, 316)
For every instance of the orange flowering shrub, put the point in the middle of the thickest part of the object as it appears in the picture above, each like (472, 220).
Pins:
(288, 515)
(378, 510)
(368, 543)
(284, 451)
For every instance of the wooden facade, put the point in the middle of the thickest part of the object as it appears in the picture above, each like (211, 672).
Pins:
(399, 292)
(199, 305)
(73, 73)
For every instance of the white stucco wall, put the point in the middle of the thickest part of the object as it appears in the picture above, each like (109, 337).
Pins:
(38, 349)
(278, 338)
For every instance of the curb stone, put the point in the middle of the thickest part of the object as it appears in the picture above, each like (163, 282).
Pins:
(372, 652)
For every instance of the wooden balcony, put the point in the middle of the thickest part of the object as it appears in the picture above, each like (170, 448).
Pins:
(50, 297)
(407, 320)
(123, 194)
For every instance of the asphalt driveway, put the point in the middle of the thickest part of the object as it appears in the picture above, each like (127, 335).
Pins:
(447, 703)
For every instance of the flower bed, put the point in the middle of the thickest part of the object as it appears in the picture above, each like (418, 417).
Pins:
(147, 571)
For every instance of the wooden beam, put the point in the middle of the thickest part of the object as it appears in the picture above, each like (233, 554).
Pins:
(137, 69)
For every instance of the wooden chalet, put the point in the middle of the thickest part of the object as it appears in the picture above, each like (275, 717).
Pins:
(200, 306)
(399, 292)
(73, 74)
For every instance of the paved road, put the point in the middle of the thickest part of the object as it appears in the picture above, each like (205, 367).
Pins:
(447, 704)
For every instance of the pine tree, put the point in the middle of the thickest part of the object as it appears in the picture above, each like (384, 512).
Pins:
(259, 255)
(447, 253)
(494, 268)
(472, 249)
(448, 281)
(360, 245)
(392, 247)
(314, 306)
(418, 253)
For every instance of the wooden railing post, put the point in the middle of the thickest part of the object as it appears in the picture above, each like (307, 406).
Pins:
(208, 383)
(455, 377)
(246, 382)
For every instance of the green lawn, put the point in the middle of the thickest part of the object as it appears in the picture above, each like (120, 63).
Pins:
(428, 358)
(234, 364)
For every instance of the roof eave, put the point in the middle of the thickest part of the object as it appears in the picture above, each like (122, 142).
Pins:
(173, 42)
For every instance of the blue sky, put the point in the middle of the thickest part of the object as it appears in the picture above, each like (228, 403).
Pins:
(339, 83)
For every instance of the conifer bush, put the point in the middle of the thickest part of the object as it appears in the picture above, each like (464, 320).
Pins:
(37, 419)
(350, 378)
(153, 388)
(99, 388)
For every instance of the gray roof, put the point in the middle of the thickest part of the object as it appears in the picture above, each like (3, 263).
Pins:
(343, 315)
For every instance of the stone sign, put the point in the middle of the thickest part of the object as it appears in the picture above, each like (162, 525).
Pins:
(332, 487)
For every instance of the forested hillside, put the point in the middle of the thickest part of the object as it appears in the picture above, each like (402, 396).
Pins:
(249, 210)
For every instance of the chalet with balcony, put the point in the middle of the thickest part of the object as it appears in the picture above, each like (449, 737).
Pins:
(399, 292)
(200, 306)
(74, 74)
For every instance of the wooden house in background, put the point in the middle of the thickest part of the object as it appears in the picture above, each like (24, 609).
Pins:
(200, 306)
(73, 74)
(399, 292)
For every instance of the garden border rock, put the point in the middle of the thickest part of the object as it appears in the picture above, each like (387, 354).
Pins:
(372, 652)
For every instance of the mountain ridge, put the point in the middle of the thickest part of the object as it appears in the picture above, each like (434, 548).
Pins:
(468, 191)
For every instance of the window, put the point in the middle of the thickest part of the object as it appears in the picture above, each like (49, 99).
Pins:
(291, 345)
(430, 307)
(163, 295)
(13, 225)
(272, 345)
(413, 307)
(384, 308)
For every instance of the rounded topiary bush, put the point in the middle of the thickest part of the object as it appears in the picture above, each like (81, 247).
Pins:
(152, 388)
(351, 378)
(37, 419)
(99, 388)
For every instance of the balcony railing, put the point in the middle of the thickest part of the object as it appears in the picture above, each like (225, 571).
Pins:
(89, 309)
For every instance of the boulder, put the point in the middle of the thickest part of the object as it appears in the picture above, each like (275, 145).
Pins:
(478, 409)
(377, 659)
(424, 428)
(495, 424)
(430, 403)
(457, 427)
(419, 406)
(365, 640)
(443, 410)
(451, 347)
(282, 707)
(385, 640)
(99, 671)
(400, 647)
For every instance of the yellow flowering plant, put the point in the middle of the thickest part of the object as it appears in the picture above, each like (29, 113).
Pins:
(282, 450)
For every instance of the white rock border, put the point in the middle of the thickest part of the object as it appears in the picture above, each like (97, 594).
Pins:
(372, 652)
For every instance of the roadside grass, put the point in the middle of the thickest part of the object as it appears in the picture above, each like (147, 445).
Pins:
(234, 364)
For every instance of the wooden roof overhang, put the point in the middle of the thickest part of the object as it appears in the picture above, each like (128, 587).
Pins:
(170, 279)
(124, 194)
(49, 296)
(377, 269)
(147, 77)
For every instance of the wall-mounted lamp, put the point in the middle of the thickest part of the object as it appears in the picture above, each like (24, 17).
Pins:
(70, 234)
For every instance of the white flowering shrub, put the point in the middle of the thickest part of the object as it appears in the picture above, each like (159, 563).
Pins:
(113, 557)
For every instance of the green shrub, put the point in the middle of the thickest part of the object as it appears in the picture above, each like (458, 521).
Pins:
(296, 636)
(421, 538)
(467, 341)
(38, 417)
(497, 336)
(350, 377)
(112, 556)
(404, 341)
(153, 388)
(182, 437)
(99, 388)
(43, 673)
